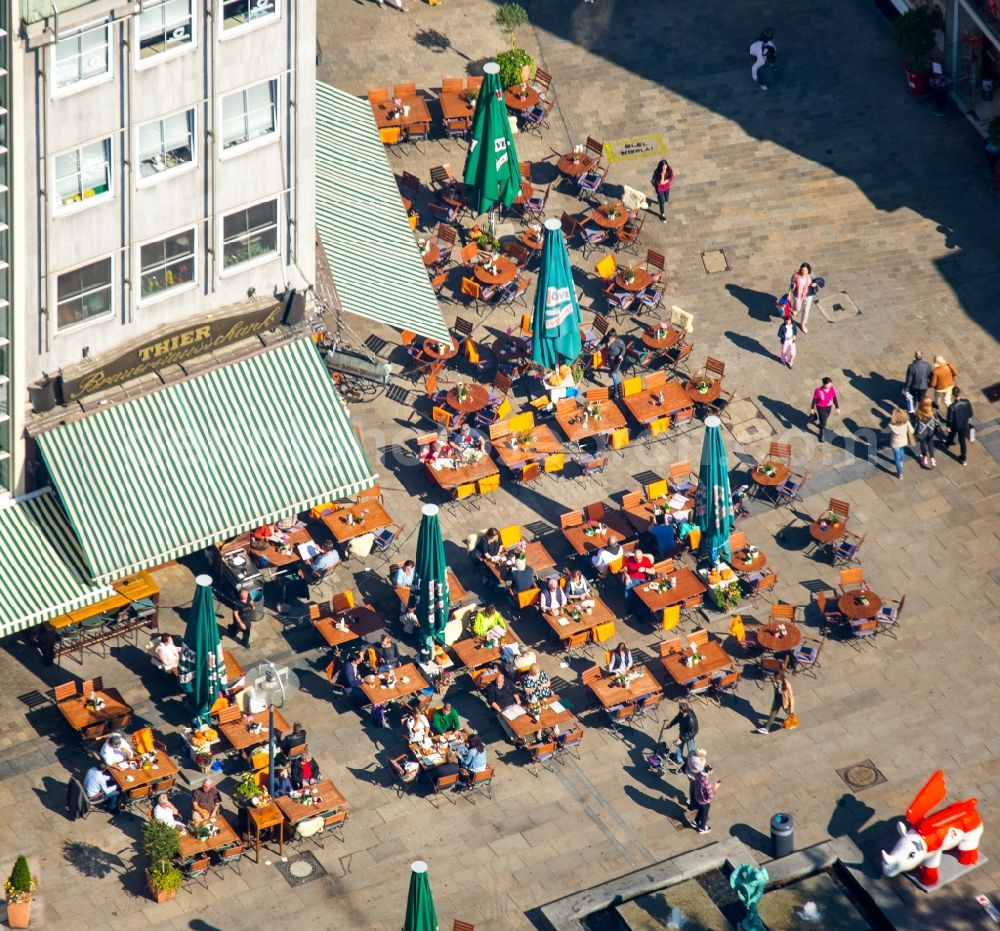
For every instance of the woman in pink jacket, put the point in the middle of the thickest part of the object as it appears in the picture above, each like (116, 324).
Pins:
(801, 293)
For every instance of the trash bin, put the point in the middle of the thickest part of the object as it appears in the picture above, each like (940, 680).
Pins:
(782, 834)
(986, 90)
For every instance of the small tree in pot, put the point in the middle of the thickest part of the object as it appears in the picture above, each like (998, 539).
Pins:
(515, 63)
(914, 34)
(161, 844)
(18, 890)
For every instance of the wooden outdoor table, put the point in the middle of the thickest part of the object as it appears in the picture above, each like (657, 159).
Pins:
(362, 621)
(432, 352)
(543, 443)
(456, 108)
(828, 536)
(476, 398)
(234, 671)
(378, 694)
(509, 348)
(767, 636)
(523, 726)
(472, 652)
(531, 241)
(599, 215)
(712, 394)
(769, 481)
(456, 593)
(512, 97)
(583, 543)
(535, 555)
(242, 739)
(574, 169)
(442, 743)
(576, 431)
(715, 660)
(371, 522)
(641, 515)
(80, 719)
(688, 586)
(419, 114)
(609, 694)
(432, 255)
(661, 343)
(193, 849)
(270, 816)
(564, 626)
(641, 280)
(739, 564)
(851, 608)
(331, 800)
(506, 271)
(466, 474)
(129, 779)
(645, 406)
(275, 556)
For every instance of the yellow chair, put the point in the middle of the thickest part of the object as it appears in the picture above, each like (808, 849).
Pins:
(671, 618)
(523, 422)
(528, 598)
(737, 628)
(442, 416)
(259, 759)
(659, 427)
(694, 539)
(489, 484)
(554, 463)
(604, 632)
(606, 268)
(657, 489)
(510, 535)
(412, 219)
(526, 326)
(503, 411)
(465, 491)
(619, 438)
(617, 566)
(631, 386)
(342, 601)
(390, 135)
(471, 352)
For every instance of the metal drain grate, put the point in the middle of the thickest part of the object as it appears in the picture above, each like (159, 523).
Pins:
(861, 775)
(301, 869)
(837, 306)
(715, 261)
(992, 393)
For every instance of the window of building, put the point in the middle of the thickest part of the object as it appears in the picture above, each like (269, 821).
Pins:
(164, 25)
(83, 173)
(85, 293)
(166, 264)
(250, 233)
(237, 13)
(249, 114)
(82, 56)
(166, 144)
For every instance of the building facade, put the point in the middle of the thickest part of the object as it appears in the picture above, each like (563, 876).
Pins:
(160, 171)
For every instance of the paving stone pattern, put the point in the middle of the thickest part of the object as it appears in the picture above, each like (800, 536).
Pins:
(834, 165)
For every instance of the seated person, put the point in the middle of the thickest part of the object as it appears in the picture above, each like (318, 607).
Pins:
(295, 738)
(467, 438)
(638, 568)
(116, 750)
(621, 659)
(553, 598)
(578, 590)
(164, 810)
(416, 726)
(168, 654)
(663, 533)
(282, 781)
(522, 578)
(438, 450)
(449, 767)
(304, 771)
(500, 693)
(489, 546)
(205, 802)
(388, 654)
(446, 719)
(317, 568)
(536, 684)
(350, 677)
(606, 555)
(486, 620)
(472, 757)
(403, 578)
(100, 787)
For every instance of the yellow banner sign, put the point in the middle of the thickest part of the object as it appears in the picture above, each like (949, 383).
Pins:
(651, 146)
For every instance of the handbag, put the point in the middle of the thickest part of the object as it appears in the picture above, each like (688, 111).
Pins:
(791, 722)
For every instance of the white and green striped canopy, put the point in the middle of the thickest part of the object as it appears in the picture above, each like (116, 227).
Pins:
(203, 460)
(42, 574)
(373, 256)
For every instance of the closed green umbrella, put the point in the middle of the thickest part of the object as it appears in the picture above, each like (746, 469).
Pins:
(492, 173)
(713, 504)
(420, 912)
(555, 329)
(430, 577)
(202, 669)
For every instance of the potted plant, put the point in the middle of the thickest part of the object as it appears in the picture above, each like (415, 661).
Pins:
(162, 845)
(510, 17)
(516, 67)
(247, 791)
(914, 34)
(18, 890)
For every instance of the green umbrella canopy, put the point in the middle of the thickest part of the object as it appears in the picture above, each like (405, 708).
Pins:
(556, 324)
(492, 173)
(713, 505)
(202, 670)
(430, 571)
(420, 912)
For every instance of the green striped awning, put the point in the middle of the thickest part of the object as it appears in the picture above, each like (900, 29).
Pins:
(374, 260)
(42, 574)
(203, 460)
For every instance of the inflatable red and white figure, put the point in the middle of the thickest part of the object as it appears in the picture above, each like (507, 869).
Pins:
(921, 844)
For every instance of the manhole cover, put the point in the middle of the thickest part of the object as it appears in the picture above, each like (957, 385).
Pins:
(861, 775)
(715, 261)
(301, 869)
(750, 431)
(992, 393)
(837, 306)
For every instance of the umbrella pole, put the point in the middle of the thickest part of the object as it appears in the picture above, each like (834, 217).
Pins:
(270, 750)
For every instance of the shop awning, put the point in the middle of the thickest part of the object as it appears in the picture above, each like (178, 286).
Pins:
(182, 468)
(42, 574)
(373, 256)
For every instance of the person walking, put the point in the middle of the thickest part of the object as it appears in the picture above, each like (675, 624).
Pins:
(704, 791)
(784, 700)
(900, 437)
(762, 52)
(786, 334)
(239, 626)
(693, 767)
(943, 377)
(824, 400)
(959, 423)
(687, 721)
(800, 289)
(918, 377)
(662, 178)
(924, 429)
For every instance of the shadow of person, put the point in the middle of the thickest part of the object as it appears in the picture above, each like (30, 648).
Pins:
(849, 817)
(877, 388)
(786, 414)
(751, 837)
(658, 805)
(759, 304)
(750, 344)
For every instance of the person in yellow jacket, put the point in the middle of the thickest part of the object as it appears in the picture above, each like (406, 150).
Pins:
(943, 378)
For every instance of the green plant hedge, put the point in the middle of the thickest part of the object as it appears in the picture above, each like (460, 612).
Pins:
(511, 62)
